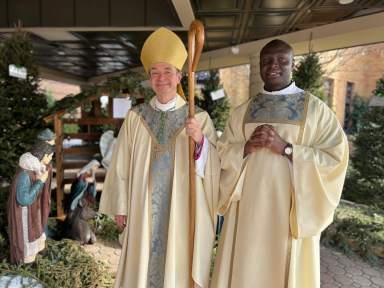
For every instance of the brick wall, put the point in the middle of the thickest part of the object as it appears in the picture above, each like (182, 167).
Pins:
(362, 66)
(58, 89)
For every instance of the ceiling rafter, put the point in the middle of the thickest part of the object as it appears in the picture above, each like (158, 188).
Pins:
(112, 41)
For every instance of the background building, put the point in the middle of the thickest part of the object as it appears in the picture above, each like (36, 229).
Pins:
(348, 73)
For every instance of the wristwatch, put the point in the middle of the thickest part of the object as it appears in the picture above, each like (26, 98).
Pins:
(288, 150)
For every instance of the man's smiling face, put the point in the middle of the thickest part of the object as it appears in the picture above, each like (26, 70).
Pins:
(164, 79)
(276, 64)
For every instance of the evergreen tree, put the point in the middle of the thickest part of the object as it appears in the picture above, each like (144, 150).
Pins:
(365, 182)
(218, 109)
(368, 158)
(379, 91)
(308, 75)
(22, 104)
(359, 108)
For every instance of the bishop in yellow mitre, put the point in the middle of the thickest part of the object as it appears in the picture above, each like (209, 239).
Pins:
(147, 185)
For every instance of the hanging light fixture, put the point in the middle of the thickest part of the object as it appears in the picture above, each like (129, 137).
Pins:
(235, 49)
(345, 2)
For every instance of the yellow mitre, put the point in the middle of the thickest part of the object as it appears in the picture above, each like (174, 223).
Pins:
(163, 46)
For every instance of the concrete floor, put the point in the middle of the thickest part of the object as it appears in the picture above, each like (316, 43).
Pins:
(337, 269)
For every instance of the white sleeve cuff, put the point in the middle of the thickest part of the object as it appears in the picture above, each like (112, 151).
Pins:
(200, 163)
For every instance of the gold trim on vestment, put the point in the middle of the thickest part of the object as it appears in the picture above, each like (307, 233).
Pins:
(156, 149)
(294, 228)
(244, 116)
(302, 124)
(233, 244)
(273, 120)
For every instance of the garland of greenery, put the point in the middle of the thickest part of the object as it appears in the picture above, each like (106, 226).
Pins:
(130, 81)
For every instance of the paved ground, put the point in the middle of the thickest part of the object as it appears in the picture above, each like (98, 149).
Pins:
(109, 253)
(337, 270)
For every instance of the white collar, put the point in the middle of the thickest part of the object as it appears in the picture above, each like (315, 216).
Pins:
(169, 106)
(291, 89)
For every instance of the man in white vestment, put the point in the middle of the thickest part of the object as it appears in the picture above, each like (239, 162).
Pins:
(284, 157)
(147, 184)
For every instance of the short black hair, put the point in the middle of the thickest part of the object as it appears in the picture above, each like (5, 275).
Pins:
(42, 148)
(275, 43)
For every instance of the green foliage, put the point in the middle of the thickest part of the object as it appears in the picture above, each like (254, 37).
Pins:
(22, 104)
(360, 190)
(4, 192)
(360, 107)
(3, 246)
(105, 228)
(71, 128)
(219, 109)
(358, 229)
(63, 264)
(369, 155)
(308, 75)
(130, 81)
(365, 179)
(379, 91)
(50, 98)
(71, 102)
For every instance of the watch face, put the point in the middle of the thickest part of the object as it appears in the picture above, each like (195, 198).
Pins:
(288, 150)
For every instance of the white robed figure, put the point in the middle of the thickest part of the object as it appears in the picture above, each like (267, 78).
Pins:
(146, 187)
(283, 160)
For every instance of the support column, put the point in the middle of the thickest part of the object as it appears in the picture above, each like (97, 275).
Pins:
(59, 166)
(255, 83)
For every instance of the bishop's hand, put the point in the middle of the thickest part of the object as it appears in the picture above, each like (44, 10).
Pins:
(121, 221)
(193, 129)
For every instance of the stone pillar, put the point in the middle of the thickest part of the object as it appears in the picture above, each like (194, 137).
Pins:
(255, 82)
(235, 81)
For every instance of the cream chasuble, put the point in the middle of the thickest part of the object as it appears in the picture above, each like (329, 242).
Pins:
(274, 214)
(148, 182)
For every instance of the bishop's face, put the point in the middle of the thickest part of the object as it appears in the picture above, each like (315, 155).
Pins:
(164, 79)
(276, 64)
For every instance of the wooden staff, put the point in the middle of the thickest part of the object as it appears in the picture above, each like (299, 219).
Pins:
(195, 46)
